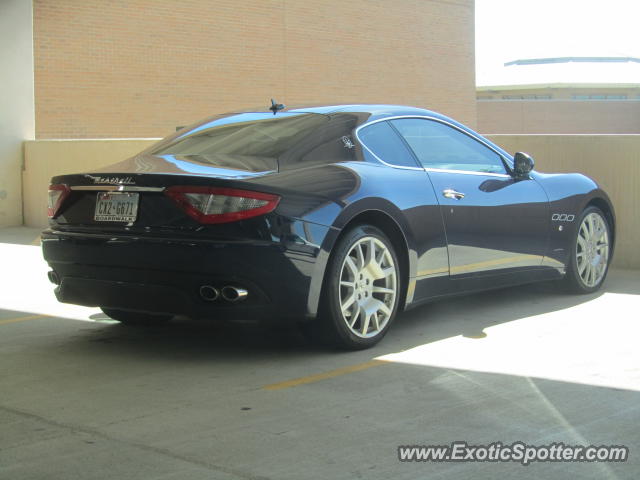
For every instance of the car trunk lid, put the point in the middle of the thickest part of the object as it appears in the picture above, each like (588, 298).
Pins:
(130, 195)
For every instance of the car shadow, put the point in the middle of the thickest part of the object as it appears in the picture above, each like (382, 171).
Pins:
(211, 340)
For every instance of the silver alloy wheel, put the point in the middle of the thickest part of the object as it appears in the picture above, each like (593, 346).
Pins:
(368, 287)
(592, 249)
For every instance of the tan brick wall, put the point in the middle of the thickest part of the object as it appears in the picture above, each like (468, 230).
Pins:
(559, 116)
(138, 68)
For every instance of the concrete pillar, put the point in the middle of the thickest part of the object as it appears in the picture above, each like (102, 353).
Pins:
(17, 119)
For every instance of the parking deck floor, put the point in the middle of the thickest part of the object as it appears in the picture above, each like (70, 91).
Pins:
(82, 397)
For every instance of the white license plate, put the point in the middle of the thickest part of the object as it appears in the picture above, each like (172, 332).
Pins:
(116, 207)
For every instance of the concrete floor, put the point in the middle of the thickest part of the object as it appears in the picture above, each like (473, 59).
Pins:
(84, 398)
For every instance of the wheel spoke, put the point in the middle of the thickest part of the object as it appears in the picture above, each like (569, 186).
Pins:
(586, 273)
(584, 233)
(592, 272)
(352, 266)
(590, 226)
(581, 267)
(384, 308)
(365, 324)
(360, 257)
(388, 271)
(376, 306)
(348, 302)
(582, 242)
(377, 289)
(371, 252)
(355, 315)
(376, 321)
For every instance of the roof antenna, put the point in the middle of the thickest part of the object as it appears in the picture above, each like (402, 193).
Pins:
(276, 107)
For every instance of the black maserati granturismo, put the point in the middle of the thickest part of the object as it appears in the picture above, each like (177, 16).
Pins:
(337, 217)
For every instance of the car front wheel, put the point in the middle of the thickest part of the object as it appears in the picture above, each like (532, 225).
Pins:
(362, 289)
(590, 253)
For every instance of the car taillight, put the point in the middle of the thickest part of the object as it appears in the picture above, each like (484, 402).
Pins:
(57, 194)
(222, 205)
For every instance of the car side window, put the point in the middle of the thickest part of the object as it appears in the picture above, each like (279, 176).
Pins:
(443, 147)
(381, 139)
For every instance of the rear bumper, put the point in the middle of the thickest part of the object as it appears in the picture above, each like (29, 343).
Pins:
(164, 275)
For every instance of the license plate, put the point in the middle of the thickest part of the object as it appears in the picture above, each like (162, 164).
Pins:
(116, 207)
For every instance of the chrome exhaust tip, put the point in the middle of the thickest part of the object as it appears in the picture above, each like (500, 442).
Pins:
(53, 277)
(234, 294)
(209, 293)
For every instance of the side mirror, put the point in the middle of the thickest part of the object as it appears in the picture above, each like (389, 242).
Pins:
(522, 164)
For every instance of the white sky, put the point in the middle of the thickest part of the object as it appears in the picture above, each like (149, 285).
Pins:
(515, 29)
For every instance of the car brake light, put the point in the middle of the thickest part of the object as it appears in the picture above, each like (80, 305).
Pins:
(57, 195)
(221, 205)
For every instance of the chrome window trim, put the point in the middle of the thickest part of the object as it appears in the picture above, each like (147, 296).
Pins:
(444, 122)
(468, 172)
(402, 167)
(115, 188)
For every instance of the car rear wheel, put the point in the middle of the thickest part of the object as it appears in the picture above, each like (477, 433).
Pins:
(136, 318)
(362, 289)
(590, 253)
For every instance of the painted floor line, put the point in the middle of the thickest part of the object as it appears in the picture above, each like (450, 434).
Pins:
(325, 375)
(21, 319)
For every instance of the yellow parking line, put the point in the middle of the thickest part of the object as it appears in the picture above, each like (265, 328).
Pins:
(21, 319)
(324, 376)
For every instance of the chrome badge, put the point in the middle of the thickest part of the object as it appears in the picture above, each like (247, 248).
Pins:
(112, 180)
(562, 217)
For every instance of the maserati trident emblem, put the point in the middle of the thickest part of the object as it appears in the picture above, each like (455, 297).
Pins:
(347, 142)
(112, 180)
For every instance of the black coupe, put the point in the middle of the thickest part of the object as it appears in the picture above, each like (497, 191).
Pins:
(337, 216)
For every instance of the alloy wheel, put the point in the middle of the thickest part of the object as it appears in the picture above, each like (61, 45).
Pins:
(368, 287)
(592, 249)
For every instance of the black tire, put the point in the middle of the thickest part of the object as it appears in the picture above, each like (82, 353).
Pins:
(128, 317)
(573, 280)
(331, 325)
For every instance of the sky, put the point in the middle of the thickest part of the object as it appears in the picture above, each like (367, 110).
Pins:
(515, 29)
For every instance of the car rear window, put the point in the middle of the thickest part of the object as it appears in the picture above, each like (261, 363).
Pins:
(291, 139)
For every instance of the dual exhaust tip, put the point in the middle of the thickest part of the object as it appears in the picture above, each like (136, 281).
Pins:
(53, 277)
(229, 293)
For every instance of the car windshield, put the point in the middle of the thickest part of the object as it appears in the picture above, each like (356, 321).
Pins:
(287, 138)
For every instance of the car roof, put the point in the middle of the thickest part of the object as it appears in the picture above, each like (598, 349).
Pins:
(375, 110)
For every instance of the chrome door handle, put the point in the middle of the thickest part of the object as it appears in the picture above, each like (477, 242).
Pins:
(451, 193)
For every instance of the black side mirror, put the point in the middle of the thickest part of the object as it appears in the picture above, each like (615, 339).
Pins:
(522, 164)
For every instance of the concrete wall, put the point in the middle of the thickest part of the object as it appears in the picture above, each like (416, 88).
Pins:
(559, 116)
(612, 160)
(138, 68)
(16, 103)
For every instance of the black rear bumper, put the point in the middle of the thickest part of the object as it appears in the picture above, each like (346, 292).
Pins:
(164, 275)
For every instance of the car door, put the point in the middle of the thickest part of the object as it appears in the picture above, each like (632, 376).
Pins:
(493, 222)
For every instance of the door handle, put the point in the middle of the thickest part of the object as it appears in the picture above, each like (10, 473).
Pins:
(451, 193)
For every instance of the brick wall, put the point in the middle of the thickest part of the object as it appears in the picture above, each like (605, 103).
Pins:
(559, 116)
(138, 68)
